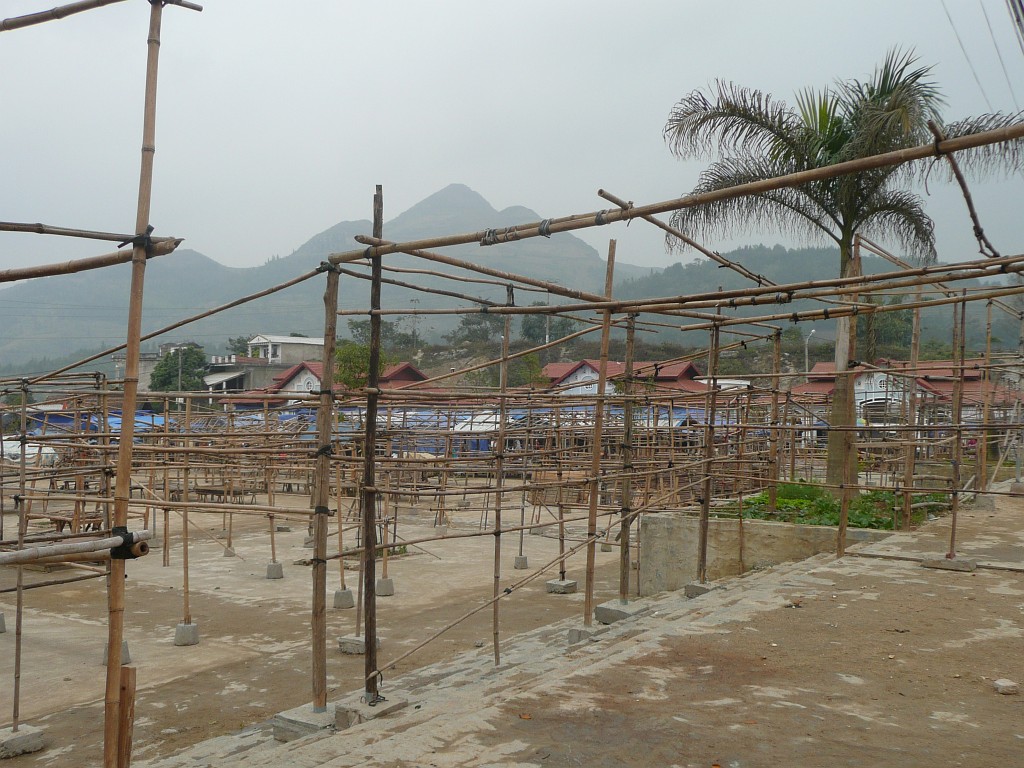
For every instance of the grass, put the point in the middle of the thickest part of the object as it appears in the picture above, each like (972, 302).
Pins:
(810, 504)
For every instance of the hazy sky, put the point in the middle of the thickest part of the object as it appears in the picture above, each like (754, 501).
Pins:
(276, 119)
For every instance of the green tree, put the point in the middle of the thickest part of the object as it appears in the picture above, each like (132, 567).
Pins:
(391, 338)
(536, 328)
(477, 328)
(525, 371)
(354, 364)
(752, 136)
(180, 370)
(238, 345)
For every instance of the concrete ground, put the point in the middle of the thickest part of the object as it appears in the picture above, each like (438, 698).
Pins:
(867, 660)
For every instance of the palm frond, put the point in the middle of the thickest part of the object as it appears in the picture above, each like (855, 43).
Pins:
(738, 120)
(1007, 156)
(900, 214)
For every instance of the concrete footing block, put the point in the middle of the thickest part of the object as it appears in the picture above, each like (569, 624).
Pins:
(126, 658)
(521, 563)
(221, 534)
(186, 634)
(539, 531)
(613, 611)
(385, 587)
(302, 721)
(343, 598)
(308, 542)
(229, 551)
(3, 624)
(282, 528)
(275, 570)
(695, 589)
(606, 546)
(354, 645)
(353, 710)
(582, 634)
(561, 586)
(944, 563)
(25, 740)
(985, 503)
(1017, 489)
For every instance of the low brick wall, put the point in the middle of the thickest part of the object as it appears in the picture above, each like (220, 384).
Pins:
(668, 547)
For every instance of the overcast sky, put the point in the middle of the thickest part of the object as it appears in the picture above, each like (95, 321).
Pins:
(276, 119)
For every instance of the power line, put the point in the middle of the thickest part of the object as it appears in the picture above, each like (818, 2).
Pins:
(968, 58)
(999, 53)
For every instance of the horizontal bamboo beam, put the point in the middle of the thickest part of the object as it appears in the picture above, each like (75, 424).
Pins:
(23, 556)
(599, 218)
(159, 248)
(54, 14)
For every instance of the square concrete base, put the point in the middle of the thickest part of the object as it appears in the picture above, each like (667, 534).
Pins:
(385, 587)
(695, 589)
(352, 710)
(539, 531)
(560, 586)
(580, 634)
(343, 598)
(27, 739)
(1017, 489)
(354, 645)
(613, 610)
(275, 570)
(301, 721)
(606, 546)
(520, 563)
(186, 634)
(229, 551)
(126, 658)
(945, 564)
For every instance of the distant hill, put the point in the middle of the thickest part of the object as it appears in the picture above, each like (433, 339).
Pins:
(60, 316)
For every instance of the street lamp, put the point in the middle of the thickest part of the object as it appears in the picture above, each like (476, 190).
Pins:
(807, 365)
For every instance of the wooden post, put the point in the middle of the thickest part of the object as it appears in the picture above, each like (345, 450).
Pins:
(959, 343)
(19, 610)
(595, 462)
(709, 457)
(322, 493)
(981, 447)
(123, 479)
(273, 540)
(773, 430)
(626, 492)
(186, 483)
(499, 472)
(369, 492)
(127, 721)
(913, 406)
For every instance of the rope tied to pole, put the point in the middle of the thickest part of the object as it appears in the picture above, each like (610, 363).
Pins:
(544, 229)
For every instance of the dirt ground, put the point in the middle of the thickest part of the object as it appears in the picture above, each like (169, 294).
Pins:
(253, 658)
(867, 660)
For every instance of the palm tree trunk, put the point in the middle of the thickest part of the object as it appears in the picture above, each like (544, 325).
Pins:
(841, 459)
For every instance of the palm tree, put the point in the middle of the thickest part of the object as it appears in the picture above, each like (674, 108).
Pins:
(752, 136)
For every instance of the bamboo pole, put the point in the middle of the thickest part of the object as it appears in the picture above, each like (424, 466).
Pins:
(369, 491)
(321, 496)
(959, 342)
(499, 479)
(25, 556)
(773, 430)
(186, 483)
(981, 448)
(595, 459)
(60, 12)
(709, 455)
(160, 247)
(116, 583)
(626, 492)
(599, 218)
(914, 418)
(20, 585)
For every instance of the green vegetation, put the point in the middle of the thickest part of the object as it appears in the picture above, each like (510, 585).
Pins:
(180, 370)
(809, 504)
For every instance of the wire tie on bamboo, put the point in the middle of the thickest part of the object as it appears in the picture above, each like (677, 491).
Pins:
(326, 266)
(544, 230)
(142, 240)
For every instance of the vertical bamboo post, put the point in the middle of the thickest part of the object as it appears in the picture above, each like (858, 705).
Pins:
(986, 379)
(560, 493)
(19, 610)
(626, 492)
(186, 483)
(127, 717)
(959, 343)
(773, 418)
(595, 462)
(341, 526)
(322, 492)
(123, 479)
(846, 345)
(273, 539)
(499, 473)
(910, 449)
(369, 492)
(709, 457)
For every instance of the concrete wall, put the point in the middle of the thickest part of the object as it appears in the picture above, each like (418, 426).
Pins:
(668, 547)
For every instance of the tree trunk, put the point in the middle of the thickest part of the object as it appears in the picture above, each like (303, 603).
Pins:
(842, 417)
